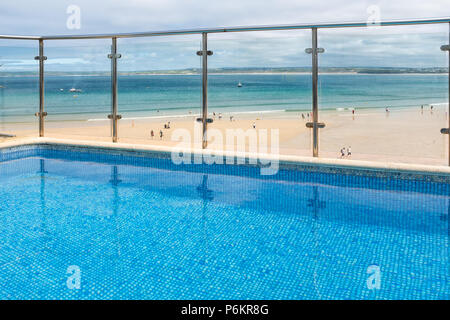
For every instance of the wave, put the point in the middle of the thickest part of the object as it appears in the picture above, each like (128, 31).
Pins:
(439, 104)
(259, 111)
(191, 115)
(153, 117)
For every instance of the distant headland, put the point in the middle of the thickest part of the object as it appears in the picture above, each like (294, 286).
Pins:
(248, 70)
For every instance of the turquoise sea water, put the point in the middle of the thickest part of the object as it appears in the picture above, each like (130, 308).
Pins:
(163, 95)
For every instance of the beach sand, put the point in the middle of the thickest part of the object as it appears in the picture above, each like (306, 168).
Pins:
(404, 135)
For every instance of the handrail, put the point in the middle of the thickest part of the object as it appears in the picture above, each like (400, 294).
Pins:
(17, 37)
(231, 29)
(314, 50)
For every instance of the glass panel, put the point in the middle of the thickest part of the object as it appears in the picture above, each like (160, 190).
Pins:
(19, 89)
(78, 90)
(262, 80)
(159, 88)
(384, 93)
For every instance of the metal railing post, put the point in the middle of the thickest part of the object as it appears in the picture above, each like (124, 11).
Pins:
(447, 130)
(315, 125)
(204, 53)
(41, 114)
(114, 116)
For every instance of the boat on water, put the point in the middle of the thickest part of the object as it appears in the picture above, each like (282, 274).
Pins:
(75, 90)
(239, 84)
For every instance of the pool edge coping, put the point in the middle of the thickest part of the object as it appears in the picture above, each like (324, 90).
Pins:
(283, 159)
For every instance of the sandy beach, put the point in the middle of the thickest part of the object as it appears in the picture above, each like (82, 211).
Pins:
(404, 135)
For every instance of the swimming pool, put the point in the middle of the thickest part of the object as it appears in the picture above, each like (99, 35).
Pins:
(135, 226)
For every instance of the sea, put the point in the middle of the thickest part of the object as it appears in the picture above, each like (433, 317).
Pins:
(163, 96)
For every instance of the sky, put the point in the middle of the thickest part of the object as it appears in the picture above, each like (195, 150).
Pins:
(403, 46)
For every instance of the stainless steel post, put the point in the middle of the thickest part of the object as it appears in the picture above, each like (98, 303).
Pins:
(315, 125)
(204, 53)
(447, 130)
(315, 97)
(114, 116)
(41, 114)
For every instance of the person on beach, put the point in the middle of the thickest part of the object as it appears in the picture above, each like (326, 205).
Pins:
(254, 125)
(168, 125)
(349, 151)
(387, 109)
(353, 111)
(220, 116)
(160, 134)
(152, 134)
(303, 116)
(342, 152)
(231, 118)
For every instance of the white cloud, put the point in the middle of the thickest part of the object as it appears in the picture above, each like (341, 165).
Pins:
(102, 16)
(393, 46)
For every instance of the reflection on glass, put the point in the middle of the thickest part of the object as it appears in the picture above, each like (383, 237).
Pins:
(383, 94)
(159, 87)
(19, 90)
(262, 81)
(78, 90)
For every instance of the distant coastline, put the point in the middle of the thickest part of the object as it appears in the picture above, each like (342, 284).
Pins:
(243, 71)
(156, 97)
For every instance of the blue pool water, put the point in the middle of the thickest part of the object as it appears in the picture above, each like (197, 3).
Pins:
(143, 228)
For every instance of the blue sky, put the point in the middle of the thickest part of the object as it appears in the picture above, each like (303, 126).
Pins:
(405, 46)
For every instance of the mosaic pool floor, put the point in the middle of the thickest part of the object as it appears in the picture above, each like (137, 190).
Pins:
(89, 229)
